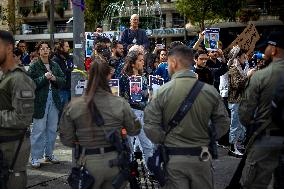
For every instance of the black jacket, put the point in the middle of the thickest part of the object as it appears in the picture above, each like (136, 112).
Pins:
(211, 75)
(218, 69)
(66, 66)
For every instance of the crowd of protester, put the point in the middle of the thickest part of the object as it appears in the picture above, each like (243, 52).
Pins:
(127, 58)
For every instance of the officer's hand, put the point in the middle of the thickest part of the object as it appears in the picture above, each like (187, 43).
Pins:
(48, 75)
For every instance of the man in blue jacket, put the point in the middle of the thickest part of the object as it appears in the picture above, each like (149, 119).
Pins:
(134, 35)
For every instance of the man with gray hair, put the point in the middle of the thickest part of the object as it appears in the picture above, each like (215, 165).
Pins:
(134, 35)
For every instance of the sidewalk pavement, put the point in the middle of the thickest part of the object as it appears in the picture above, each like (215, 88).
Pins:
(53, 176)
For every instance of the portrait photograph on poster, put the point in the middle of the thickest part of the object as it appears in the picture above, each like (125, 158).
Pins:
(211, 38)
(136, 88)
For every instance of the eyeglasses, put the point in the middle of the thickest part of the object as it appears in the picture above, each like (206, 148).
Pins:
(45, 49)
(22, 46)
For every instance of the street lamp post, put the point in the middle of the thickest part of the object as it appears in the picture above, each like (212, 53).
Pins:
(51, 24)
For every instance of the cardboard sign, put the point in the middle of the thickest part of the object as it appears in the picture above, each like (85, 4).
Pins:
(247, 39)
(211, 38)
(114, 86)
(135, 84)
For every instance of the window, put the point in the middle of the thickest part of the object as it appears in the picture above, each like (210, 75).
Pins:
(178, 20)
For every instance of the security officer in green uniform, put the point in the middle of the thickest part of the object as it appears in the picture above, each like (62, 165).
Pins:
(16, 109)
(264, 147)
(191, 135)
(79, 125)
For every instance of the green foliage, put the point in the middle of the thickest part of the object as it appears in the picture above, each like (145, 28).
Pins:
(94, 12)
(231, 9)
(25, 11)
(59, 9)
(36, 9)
(198, 11)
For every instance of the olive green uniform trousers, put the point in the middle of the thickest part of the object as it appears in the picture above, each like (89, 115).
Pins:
(262, 159)
(98, 167)
(17, 179)
(186, 172)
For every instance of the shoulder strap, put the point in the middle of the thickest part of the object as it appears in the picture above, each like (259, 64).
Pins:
(11, 169)
(186, 105)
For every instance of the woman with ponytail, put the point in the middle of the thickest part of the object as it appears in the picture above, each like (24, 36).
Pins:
(80, 124)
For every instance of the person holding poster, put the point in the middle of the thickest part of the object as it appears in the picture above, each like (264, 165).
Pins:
(133, 87)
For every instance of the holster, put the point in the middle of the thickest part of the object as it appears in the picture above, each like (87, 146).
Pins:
(157, 164)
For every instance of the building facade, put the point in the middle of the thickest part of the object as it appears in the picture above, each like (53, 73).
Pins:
(3, 15)
(34, 15)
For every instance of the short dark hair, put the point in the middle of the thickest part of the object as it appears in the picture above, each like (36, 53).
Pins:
(7, 37)
(22, 41)
(115, 43)
(175, 44)
(184, 54)
(59, 45)
(99, 26)
(17, 52)
(198, 53)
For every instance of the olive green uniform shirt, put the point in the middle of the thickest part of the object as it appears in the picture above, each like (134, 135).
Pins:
(255, 106)
(16, 110)
(76, 120)
(16, 101)
(193, 129)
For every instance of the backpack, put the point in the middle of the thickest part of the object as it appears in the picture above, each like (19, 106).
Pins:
(277, 104)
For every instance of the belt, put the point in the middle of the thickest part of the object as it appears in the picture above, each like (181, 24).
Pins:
(99, 150)
(195, 151)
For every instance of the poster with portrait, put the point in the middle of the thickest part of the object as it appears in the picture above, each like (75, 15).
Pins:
(81, 86)
(155, 83)
(135, 84)
(89, 44)
(211, 38)
(90, 37)
(114, 86)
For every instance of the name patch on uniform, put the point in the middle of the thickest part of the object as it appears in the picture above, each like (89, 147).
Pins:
(26, 94)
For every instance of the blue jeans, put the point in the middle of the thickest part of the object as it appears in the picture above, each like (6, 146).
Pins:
(43, 133)
(237, 130)
(65, 96)
(141, 140)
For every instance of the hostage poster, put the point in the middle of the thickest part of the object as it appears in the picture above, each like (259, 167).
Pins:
(155, 83)
(114, 86)
(211, 38)
(135, 84)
